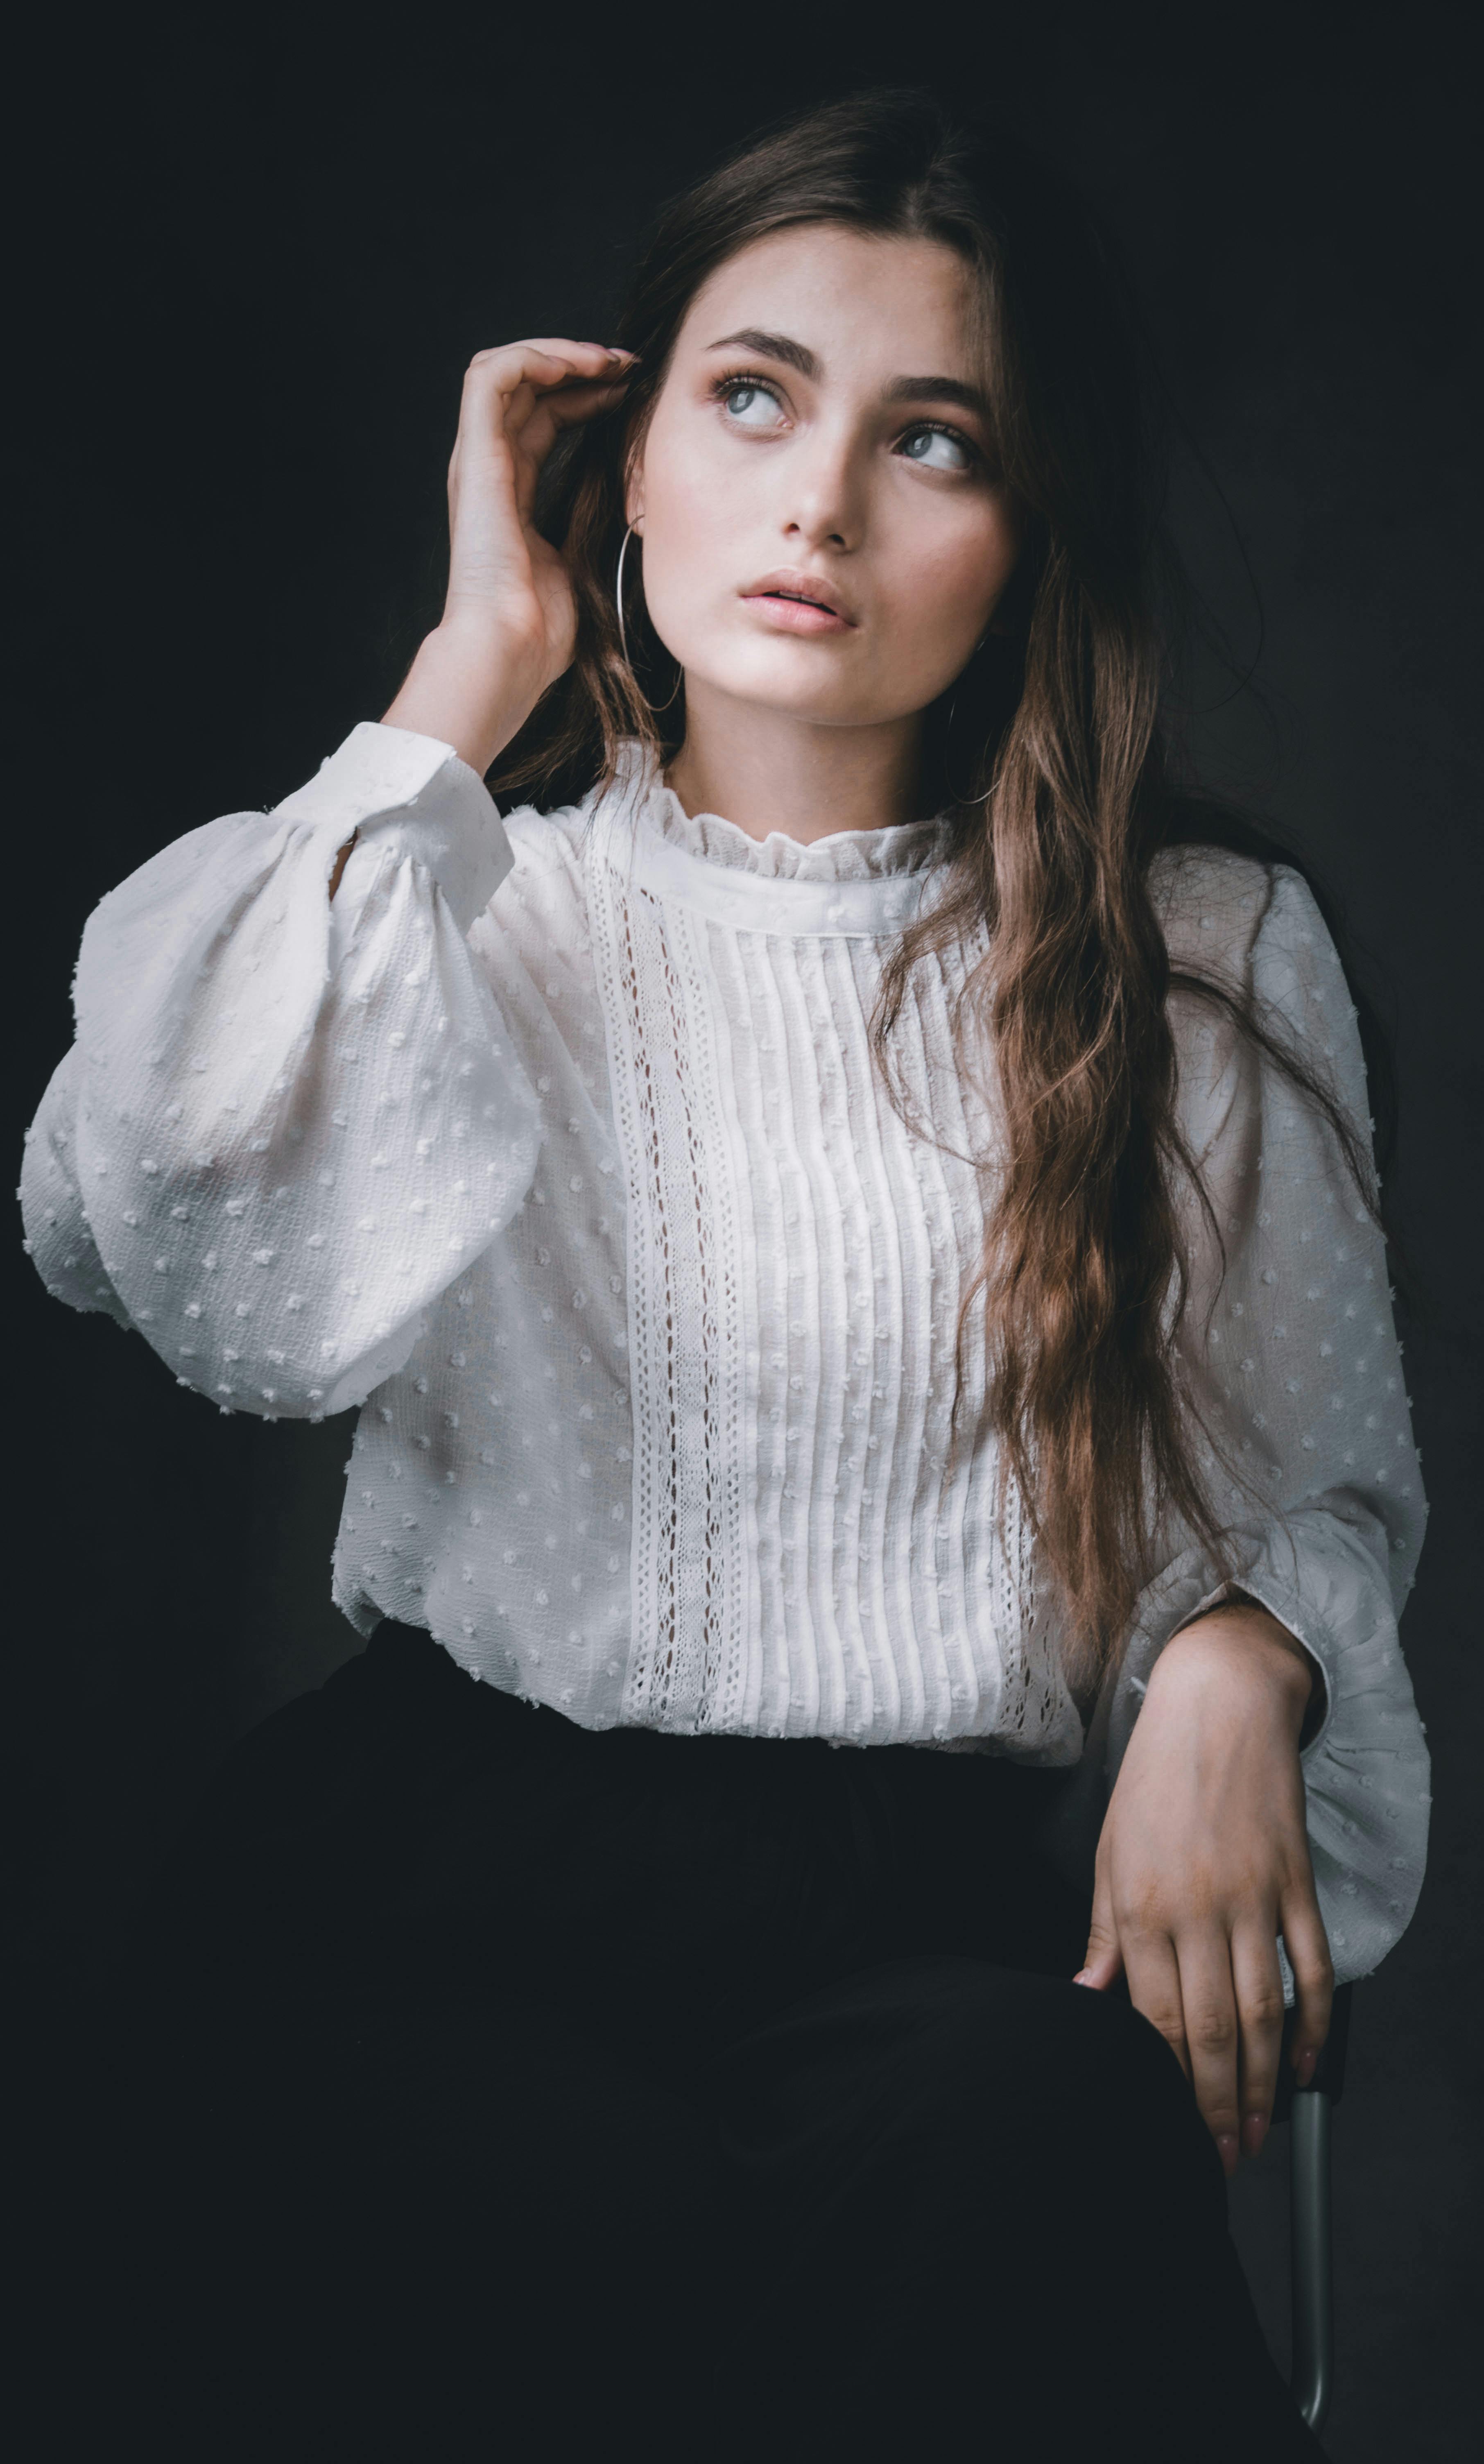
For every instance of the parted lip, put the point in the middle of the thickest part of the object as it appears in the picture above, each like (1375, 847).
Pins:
(787, 582)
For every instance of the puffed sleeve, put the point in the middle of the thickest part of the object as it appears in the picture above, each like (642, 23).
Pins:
(58, 1239)
(286, 1125)
(1299, 1373)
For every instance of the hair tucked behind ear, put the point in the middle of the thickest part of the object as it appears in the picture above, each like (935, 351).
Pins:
(1058, 798)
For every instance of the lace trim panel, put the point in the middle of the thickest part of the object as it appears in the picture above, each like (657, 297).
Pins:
(688, 1562)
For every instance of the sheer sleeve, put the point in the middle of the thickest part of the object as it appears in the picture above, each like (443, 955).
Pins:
(287, 1125)
(1299, 1373)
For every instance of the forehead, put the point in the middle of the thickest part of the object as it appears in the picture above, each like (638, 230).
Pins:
(864, 303)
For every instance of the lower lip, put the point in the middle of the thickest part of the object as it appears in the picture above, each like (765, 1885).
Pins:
(798, 615)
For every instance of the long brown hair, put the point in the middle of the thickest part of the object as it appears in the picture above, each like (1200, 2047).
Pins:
(1049, 761)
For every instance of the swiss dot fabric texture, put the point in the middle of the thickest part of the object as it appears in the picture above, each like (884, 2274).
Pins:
(555, 1143)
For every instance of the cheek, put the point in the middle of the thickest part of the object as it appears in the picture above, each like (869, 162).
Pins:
(691, 512)
(947, 584)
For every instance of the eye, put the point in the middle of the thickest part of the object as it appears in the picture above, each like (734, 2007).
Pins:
(937, 449)
(746, 401)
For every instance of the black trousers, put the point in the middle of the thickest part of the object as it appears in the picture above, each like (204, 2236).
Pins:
(480, 2085)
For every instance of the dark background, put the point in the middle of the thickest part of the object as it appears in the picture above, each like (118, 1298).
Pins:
(244, 272)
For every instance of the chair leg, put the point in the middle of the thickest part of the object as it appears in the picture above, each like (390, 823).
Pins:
(1312, 2248)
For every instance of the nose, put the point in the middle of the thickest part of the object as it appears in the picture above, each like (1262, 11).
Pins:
(823, 504)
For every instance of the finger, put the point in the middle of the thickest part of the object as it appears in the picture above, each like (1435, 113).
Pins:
(551, 346)
(532, 428)
(559, 346)
(532, 368)
(577, 401)
(1153, 1974)
(531, 438)
(516, 404)
(510, 418)
(1259, 2015)
(502, 389)
(1308, 1945)
(1105, 1959)
(1208, 1997)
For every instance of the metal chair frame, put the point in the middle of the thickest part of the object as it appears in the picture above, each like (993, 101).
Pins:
(1308, 2112)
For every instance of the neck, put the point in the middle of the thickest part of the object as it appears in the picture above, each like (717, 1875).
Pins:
(766, 770)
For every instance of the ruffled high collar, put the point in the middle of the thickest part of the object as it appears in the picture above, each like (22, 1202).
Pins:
(844, 855)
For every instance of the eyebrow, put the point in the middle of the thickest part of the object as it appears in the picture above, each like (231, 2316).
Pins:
(798, 354)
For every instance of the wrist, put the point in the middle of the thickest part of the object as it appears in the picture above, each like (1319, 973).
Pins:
(469, 686)
(1240, 1639)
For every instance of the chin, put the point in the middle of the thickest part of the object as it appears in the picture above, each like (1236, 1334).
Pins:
(812, 709)
(799, 684)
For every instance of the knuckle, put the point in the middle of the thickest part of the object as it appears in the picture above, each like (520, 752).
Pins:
(488, 367)
(1263, 2008)
(1143, 1899)
(1141, 1912)
(1212, 2031)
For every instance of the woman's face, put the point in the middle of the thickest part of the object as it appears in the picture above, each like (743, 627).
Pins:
(821, 427)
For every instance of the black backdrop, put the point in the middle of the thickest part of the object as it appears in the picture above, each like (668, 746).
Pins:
(245, 269)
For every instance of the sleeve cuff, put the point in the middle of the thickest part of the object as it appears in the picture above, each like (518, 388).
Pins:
(1365, 1771)
(1259, 1585)
(411, 794)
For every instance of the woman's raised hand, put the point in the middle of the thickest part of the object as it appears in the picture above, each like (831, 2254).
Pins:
(1204, 1860)
(508, 624)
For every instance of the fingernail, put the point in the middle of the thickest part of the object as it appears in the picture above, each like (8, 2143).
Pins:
(616, 355)
(1307, 2064)
(1226, 2148)
(1084, 1976)
(1254, 2130)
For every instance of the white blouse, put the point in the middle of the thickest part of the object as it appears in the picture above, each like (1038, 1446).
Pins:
(555, 1143)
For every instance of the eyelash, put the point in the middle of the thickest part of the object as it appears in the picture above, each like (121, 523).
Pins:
(736, 378)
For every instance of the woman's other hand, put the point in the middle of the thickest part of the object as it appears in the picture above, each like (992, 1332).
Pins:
(508, 625)
(1204, 1860)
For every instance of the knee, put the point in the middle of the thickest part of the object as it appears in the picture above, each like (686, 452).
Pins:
(1048, 2053)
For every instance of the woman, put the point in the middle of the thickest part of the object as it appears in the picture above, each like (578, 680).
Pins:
(851, 1224)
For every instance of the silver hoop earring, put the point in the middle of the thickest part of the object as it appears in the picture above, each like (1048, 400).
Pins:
(618, 590)
(629, 533)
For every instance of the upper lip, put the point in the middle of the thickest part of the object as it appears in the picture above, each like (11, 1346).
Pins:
(791, 584)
